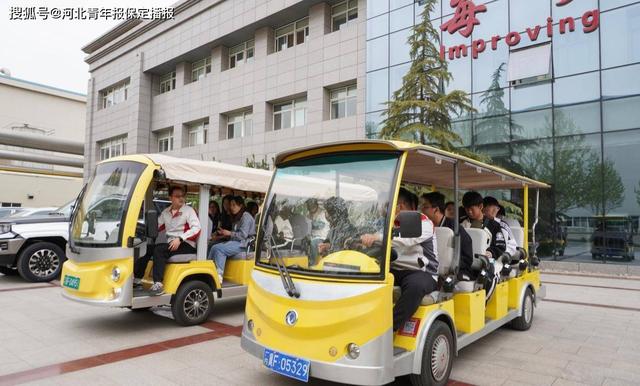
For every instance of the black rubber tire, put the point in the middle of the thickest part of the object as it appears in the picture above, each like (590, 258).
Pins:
(8, 271)
(25, 255)
(191, 289)
(524, 322)
(438, 330)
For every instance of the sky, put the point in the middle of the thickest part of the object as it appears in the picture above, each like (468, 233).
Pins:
(49, 51)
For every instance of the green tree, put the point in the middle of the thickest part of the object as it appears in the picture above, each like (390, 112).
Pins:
(637, 191)
(613, 188)
(420, 108)
(262, 164)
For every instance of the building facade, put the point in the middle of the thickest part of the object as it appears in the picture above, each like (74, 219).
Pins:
(556, 88)
(228, 80)
(39, 110)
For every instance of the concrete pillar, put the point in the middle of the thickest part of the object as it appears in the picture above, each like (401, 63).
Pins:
(319, 20)
(264, 43)
(140, 86)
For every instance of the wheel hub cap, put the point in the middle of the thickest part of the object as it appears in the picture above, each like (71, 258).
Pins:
(196, 304)
(440, 358)
(44, 263)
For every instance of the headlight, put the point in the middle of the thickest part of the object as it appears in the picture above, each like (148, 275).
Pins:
(354, 350)
(5, 228)
(115, 274)
(250, 325)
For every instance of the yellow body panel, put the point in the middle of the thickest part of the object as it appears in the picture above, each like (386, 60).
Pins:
(322, 325)
(498, 305)
(355, 259)
(176, 273)
(469, 311)
(410, 343)
(238, 271)
(515, 289)
(95, 278)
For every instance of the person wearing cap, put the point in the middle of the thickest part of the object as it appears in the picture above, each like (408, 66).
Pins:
(474, 206)
(433, 206)
(491, 207)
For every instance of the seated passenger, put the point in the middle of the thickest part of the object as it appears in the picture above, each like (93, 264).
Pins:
(473, 205)
(239, 237)
(491, 207)
(319, 227)
(416, 268)
(214, 216)
(253, 209)
(433, 206)
(182, 228)
(449, 209)
(282, 223)
(512, 222)
(340, 228)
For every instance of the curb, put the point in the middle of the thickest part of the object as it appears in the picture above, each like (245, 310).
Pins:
(591, 269)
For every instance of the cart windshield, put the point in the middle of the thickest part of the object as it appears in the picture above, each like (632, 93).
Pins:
(96, 222)
(318, 208)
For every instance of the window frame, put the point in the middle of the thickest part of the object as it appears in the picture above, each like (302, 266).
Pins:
(108, 95)
(196, 128)
(296, 105)
(165, 135)
(346, 13)
(109, 146)
(245, 119)
(291, 33)
(347, 89)
(247, 49)
(200, 69)
(168, 82)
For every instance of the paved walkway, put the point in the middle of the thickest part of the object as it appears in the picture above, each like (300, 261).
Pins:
(587, 332)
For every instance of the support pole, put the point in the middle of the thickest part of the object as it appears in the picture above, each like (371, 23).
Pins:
(203, 214)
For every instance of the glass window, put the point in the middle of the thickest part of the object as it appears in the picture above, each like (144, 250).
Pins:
(621, 179)
(342, 13)
(378, 26)
(621, 114)
(167, 82)
(290, 114)
(490, 70)
(621, 81)
(531, 125)
(373, 124)
(378, 53)
(241, 53)
(463, 129)
(491, 130)
(113, 147)
(377, 90)
(575, 53)
(530, 97)
(239, 124)
(493, 22)
(578, 119)
(165, 140)
(435, 13)
(343, 102)
(377, 7)
(491, 102)
(574, 89)
(575, 9)
(524, 11)
(399, 46)
(395, 77)
(197, 133)
(115, 94)
(609, 4)
(395, 4)
(461, 71)
(200, 68)
(401, 18)
(529, 65)
(620, 30)
(292, 34)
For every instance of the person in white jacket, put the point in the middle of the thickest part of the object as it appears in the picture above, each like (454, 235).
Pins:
(416, 268)
(182, 226)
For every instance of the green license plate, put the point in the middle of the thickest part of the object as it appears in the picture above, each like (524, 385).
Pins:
(71, 282)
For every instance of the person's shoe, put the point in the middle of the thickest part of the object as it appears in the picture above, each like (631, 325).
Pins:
(137, 283)
(220, 277)
(156, 289)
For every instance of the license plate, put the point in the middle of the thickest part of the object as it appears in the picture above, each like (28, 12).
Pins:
(284, 364)
(71, 282)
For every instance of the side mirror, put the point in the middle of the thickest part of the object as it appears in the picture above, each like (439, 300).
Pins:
(151, 220)
(409, 225)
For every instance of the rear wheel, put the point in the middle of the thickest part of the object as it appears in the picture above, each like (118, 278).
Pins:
(437, 357)
(524, 321)
(192, 303)
(41, 262)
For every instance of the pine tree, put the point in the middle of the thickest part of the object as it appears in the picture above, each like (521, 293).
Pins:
(421, 108)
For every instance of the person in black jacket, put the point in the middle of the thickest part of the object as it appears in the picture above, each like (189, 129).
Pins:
(473, 204)
(434, 207)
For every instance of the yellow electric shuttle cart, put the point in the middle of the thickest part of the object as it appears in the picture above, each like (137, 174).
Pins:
(115, 220)
(322, 308)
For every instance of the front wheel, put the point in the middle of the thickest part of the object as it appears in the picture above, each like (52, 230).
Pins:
(524, 321)
(437, 357)
(192, 303)
(40, 262)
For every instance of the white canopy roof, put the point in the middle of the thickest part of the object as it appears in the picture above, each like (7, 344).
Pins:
(213, 173)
